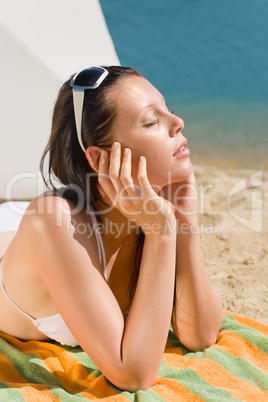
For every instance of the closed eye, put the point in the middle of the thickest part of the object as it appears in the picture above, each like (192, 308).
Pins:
(152, 123)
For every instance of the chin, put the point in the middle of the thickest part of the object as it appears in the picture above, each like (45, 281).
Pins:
(181, 174)
(188, 168)
(160, 179)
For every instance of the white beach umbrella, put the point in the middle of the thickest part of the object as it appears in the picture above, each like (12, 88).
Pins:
(41, 43)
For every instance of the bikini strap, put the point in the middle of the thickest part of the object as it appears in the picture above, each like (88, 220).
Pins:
(97, 234)
(5, 291)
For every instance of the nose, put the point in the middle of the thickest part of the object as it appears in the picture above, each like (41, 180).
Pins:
(177, 125)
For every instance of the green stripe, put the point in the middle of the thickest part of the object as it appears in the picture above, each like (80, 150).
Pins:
(241, 368)
(78, 353)
(250, 334)
(197, 385)
(28, 365)
(10, 394)
(229, 323)
(148, 396)
(139, 396)
(32, 368)
(65, 396)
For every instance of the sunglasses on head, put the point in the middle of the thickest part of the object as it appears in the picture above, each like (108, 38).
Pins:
(88, 78)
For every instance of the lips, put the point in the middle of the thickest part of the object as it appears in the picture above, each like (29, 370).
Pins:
(182, 151)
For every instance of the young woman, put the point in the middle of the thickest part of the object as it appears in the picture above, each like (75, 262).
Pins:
(109, 260)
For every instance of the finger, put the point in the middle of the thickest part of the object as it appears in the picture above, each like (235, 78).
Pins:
(114, 167)
(125, 174)
(104, 178)
(145, 185)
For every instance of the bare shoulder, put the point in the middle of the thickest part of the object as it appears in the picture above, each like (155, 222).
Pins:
(49, 209)
(64, 255)
(54, 226)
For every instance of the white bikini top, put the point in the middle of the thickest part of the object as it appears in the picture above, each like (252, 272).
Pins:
(54, 327)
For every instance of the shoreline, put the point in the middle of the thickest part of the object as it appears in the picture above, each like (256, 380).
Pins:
(246, 160)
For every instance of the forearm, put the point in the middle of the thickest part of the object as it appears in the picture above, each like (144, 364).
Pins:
(198, 310)
(149, 318)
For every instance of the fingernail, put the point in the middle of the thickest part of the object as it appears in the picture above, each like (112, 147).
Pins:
(115, 145)
(126, 151)
(142, 159)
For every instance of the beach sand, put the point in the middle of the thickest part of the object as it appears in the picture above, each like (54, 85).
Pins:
(233, 220)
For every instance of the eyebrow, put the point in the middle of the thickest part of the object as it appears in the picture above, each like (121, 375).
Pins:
(152, 104)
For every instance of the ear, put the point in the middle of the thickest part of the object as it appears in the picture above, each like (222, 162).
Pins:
(93, 156)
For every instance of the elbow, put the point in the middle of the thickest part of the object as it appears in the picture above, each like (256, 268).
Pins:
(202, 337)
(200, 340)
(204, 343)
(208, 342)
(198, 344)
(134, 382)
(137, 385)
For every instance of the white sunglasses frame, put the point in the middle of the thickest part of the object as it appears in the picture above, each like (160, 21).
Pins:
(78, 99)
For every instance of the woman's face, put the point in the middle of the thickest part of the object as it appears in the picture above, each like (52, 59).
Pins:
(145, 125)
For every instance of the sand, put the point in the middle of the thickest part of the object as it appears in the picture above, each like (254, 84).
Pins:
(233, 219)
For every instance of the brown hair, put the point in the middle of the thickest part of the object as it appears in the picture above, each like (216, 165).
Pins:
(67, 161)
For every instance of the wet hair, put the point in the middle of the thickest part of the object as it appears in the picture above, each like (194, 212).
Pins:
(67, 162)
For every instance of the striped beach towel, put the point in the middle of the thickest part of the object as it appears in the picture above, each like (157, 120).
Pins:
(235, 369)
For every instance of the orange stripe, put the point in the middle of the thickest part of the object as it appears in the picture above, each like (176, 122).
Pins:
(217, 376)
(172, 390)
(220, 377)
(249, 322)
(8, 372)
(74, 377)
(67, 369)
(237, 346)
(171, 349)
(70, 372)
(99, 388)
(33, 393)
(14, 380)
(168, 345)
(64, 366)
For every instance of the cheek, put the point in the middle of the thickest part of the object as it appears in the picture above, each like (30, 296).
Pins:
(156, 165)
(157, 168)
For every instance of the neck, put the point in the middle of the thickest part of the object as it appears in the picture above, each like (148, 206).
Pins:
(117, 228)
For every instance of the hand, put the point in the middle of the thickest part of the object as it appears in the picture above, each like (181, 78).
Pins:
(140, 203)
(183, 197)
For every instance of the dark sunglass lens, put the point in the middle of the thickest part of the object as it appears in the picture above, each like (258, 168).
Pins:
(88, 77)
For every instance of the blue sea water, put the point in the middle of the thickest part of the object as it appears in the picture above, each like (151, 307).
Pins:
(209, 58)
